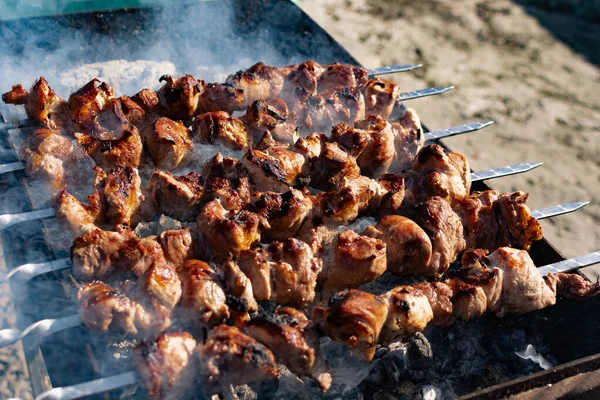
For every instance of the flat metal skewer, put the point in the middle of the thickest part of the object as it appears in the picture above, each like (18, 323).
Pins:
(7, 220)
(130, 378)
(39, 329)
(13, 166)
(504, 171)
(392, 69)
(456, 130)
(416, 94)
(558, 210)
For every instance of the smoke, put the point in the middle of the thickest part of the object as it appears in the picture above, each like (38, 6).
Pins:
(530, 353)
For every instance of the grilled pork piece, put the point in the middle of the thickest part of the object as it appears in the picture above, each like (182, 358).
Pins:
(445, 230)
(179, 197)
(352, 260)
(436, 173)
(492, 219)
(203, 298)
(218, 127)
(177, 245)
(147, 99)
(354, 318)
(162, 364)
(294, 341)
(409, 312)
(285, 272)
(376, 139)
(228, 232)
(341, 75)
(41, 104)
(79, 217)
(273, 166)
(167, 142)
(102, 307)
(408, 140)
(103, 254)
(236, 284)
(178, 97)
(328, 165)
(283, 212)
(122, 194)
(380, 97)
(258, 82)
(47, 156)
(127, 151)
(270, 116)
(228, 180)
(96, 112)
(218, 97)
(229, 357)
(408, 248)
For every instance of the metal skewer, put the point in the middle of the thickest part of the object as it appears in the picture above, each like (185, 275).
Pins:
(14, 166)
(503, 171)
(423, 93)
(7, 220)
(26, 272)
(392, 69)
(39, 329)
(456, 130)
(129, 378)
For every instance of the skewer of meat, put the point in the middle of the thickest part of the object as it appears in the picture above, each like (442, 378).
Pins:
(503, 282)
(404, 310)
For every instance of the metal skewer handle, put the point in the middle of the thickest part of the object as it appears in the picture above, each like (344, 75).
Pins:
(14, 166)
(504, 171)
(558, 210)
(416, 94)
(571, 264)
(457, 130)
(27, 272)
(39, 329)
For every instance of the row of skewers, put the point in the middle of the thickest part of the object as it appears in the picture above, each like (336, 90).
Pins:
(294, 191)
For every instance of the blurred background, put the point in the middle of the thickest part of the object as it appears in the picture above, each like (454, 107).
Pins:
(529, 65)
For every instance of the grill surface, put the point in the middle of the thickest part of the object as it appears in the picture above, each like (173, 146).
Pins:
(283, 27)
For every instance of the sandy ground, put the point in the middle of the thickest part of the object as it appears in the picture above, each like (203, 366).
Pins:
(507, 66)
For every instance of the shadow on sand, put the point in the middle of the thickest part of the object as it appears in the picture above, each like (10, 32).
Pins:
(574, 22)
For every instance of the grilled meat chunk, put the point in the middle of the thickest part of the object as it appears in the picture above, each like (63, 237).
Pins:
(523, 229)
(228, 180)
(523, 288)
(147, 99)
(302, 81)
(97, 113)
(127, 151)
(47, 156)
(439, 295)
(162, 363)
(218, 127)
(352, 260)
(41, 104)
(321, 112)
(408, 247)
(228, 232)
(236, 284)
(285, 272)
(409, 139)
(273, 166)
(270, 116)
(103, 254)
(354, 318)
(229, 357)
(340, 75)
(379, 152)
(260, 81)
(328, 166)
(179, 197)
(167, 142)
(293, 339)
(161, 283)
(203, 297)
(380, 97)
(122, 194)
(178, 97)
(218, 97)
(435, 173)
(177, 245)
(135, 113)
(80, 218)
(572, 286)
(445, 230)
(285, 213)
(409, 312)
(102, 307)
